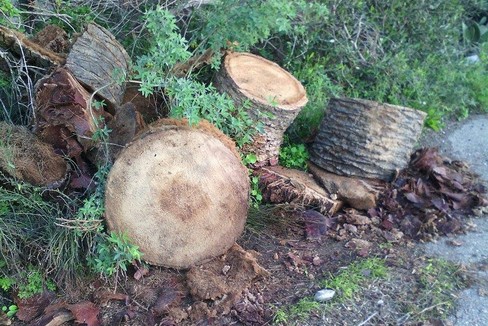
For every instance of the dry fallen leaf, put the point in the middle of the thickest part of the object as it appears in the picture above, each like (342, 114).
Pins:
(32, 307)
(85, 313)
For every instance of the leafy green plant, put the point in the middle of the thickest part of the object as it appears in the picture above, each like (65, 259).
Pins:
(114, 254)
(6, 283)
(350, 280)
(188, 98)
(34, 283)
(10, 310)
(280, 317)
(477, 78)
(475, 31)
(7, 12)
(303, 308)
(256, 195)
(246, 23)
(294, 156)
(79, 15)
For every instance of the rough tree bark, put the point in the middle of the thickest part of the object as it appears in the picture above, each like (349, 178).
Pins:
(281, 185)
(276, 98)
(179, 193)
(365, 138)
(63, 110)
(18, 44)
(100, 62)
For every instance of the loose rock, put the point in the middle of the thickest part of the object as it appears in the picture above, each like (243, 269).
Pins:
(324, 295)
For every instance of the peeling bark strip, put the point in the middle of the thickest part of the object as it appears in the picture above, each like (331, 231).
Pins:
(179, 193)
(276, 98)
(282, 185)
(62, 110)
(97, 60)
(365, 138)
(18, 44)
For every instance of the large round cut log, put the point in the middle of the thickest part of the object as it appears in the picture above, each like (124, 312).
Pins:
(276, 98)
(366, 139)
(179, 193)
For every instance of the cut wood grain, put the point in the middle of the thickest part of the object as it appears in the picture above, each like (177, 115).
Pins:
(355, 192)
(100, 62)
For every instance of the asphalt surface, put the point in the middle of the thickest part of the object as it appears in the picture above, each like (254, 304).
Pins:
(467, 141)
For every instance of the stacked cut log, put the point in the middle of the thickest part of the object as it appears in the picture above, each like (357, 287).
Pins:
(366, 139)
(275, 98)
(180, 192)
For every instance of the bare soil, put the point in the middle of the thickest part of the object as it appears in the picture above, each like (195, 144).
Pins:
(283, 259)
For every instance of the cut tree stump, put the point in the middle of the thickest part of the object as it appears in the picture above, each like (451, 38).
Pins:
(100, 62)
(355, 192)
(281, 185)
(179, 193)
(276, 98)
(365, 138)
(26, 158)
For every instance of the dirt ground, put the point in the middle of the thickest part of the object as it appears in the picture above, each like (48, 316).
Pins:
(281, 260)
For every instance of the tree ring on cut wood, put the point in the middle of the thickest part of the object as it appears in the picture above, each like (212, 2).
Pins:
(276, 98)
(264, 81)
(179, 193)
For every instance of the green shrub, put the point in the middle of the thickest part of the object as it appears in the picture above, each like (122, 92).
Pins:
(294, 156)
(10, 310)
(188, 98)
(114, 254)
(7, 12)
(477, 79)
(399, 52)
(33, 282)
